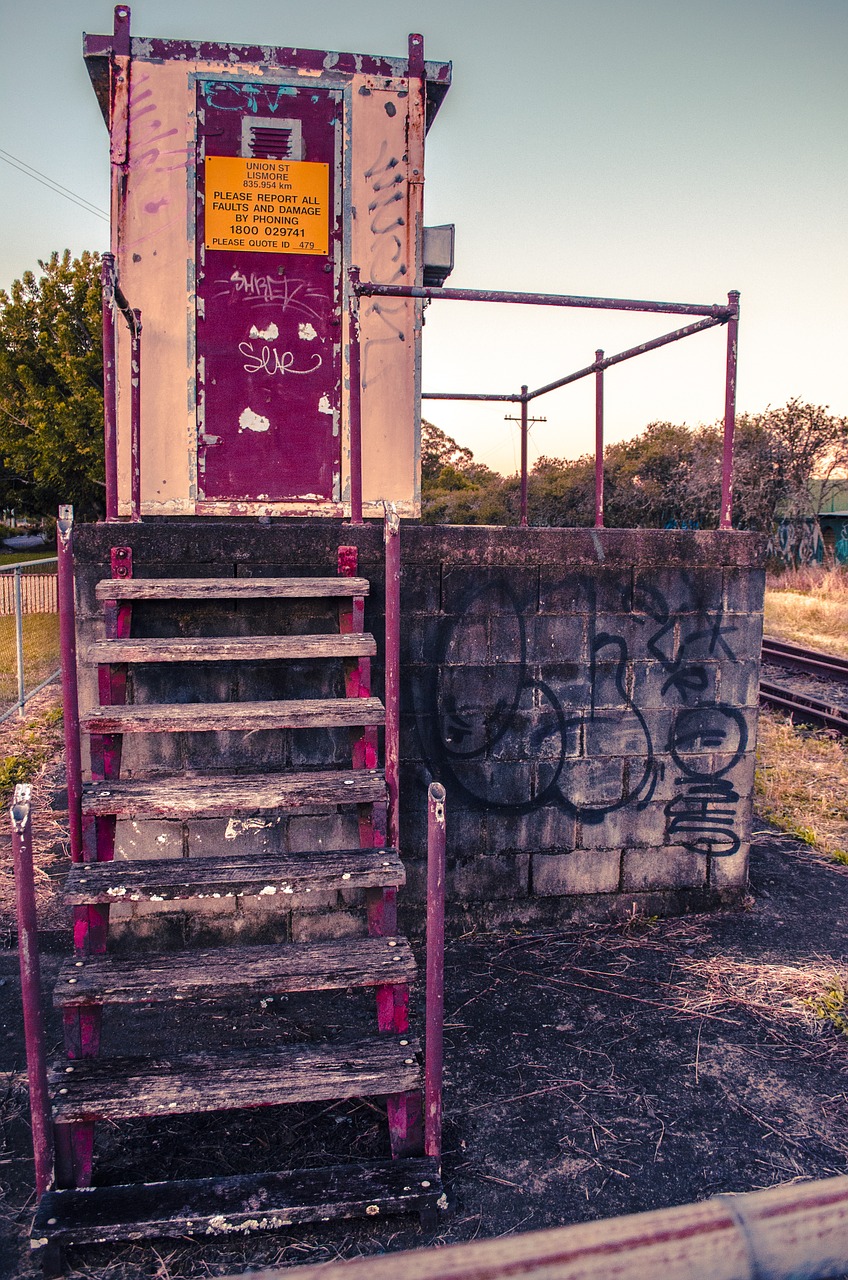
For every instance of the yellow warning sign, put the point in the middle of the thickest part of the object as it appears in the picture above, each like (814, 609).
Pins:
(267, 206)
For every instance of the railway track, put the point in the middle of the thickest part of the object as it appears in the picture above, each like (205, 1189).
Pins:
(810, 662)
(782, 653)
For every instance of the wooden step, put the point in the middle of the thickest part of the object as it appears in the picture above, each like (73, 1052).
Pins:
(229, 588)
(232, 648)
(227, 973)
(232, 875)
(239, 795)
(212, 717)
(130, 1088)
(225, 1206)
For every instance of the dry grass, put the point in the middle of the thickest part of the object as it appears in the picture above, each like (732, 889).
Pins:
(31, 750)
(809, 606)
(802, 784)
(811, 994)
(802, 776)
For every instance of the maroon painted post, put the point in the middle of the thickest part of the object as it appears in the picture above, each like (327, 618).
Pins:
(729, 412)
(392, 536)
(135, 416)
(434, 1050)
(599, 441)
(110, 404)
(524, 456)
(354, 332)
(39, 1101)
(70, 696)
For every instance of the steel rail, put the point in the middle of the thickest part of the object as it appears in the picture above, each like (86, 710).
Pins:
(801, 706)
(795, 657)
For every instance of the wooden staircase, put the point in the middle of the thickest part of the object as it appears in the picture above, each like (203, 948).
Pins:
(87, 1087)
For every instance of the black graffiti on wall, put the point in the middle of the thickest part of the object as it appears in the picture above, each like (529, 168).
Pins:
(702, 815)
(484, 714)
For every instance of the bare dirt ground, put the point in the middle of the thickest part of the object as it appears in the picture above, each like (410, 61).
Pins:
(591, 1072)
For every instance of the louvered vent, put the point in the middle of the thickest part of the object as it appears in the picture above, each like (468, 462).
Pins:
(270, 139)
(271, 144)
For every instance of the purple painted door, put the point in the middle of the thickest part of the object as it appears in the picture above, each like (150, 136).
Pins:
(268, 292)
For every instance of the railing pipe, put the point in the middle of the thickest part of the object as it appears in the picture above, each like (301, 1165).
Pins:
(392, 537)
(70, 696)
(599, 440)
(135, 417)
(434, 1040)
(524, 456)
(674, 336)
(714, 309)
(39, 1101)
(354, 337)
(726, 521)
(19, 639)
(469, 395)
(110, 405)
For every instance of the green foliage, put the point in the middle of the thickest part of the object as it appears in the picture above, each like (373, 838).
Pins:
(454, 488)
(35, 747)
(667, 473)
(51, 388)
(830, 1005)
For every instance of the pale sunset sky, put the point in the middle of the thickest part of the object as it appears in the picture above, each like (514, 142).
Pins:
(670, 149)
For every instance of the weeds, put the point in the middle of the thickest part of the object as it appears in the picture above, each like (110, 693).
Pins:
(34, 745)
(829, 1005)
(801, 784)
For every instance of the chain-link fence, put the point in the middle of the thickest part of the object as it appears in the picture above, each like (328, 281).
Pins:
(29, 631)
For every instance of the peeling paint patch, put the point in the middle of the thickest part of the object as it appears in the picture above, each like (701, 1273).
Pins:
(250, 421)
(305, 331)
(324, 405)
(270, 333)
(240, 826)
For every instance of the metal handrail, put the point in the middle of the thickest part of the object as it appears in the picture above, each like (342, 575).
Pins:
(114, 300)
(435, 1006)
(713, 314)
(30, 969)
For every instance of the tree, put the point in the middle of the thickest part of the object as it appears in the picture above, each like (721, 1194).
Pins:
(811, 452)
(454, 488)
(51, 388)
(439, 450)
(786, 462)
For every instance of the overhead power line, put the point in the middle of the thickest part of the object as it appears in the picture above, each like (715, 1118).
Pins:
(56, 187)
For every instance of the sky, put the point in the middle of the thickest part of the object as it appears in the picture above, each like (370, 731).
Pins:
(665, 149)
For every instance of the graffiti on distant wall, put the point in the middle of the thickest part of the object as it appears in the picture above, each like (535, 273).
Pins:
(796, 543)
(484, 705)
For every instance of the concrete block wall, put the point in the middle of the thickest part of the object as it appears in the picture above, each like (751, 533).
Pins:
(588, 698)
